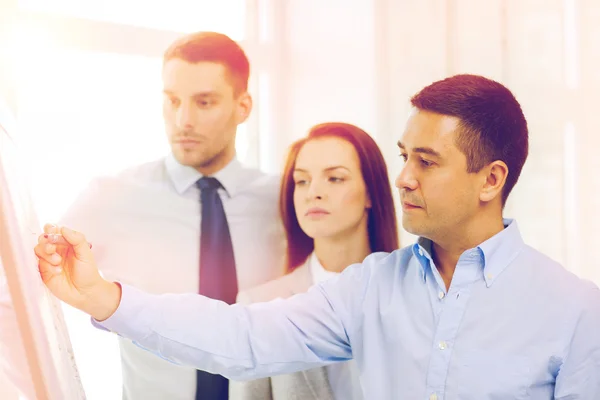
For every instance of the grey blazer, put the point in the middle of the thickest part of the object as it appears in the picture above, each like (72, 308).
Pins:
(304, 385)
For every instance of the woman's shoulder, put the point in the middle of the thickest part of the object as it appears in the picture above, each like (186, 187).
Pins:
(297, 281)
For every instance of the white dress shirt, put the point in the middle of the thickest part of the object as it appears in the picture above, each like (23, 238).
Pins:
(344, 378)
(145, 229)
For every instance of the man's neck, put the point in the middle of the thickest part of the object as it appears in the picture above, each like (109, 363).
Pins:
(335, 255)
(447, 251)
(217, 164)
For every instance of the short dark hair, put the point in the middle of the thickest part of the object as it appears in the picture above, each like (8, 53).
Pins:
(492, 125)
(382, 224)
(213, 47)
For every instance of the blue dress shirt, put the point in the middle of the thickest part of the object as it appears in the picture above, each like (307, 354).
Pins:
(513, 325)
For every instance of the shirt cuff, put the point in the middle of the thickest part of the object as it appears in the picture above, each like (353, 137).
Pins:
(130, 319)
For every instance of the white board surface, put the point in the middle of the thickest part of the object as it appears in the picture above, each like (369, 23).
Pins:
(39, 316)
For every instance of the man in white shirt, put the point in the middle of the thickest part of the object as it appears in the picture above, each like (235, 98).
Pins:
(205, 77)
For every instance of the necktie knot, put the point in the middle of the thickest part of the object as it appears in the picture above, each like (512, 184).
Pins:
(208, 183)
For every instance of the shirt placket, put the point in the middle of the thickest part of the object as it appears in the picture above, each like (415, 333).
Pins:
(448, 307)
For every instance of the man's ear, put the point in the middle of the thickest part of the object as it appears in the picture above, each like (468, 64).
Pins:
(244, 107)
(494, 179)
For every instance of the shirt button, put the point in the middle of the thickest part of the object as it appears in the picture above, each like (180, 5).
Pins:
(441, 295)
(433, 397)
(490, 276)
(420, 252)
(443, 345)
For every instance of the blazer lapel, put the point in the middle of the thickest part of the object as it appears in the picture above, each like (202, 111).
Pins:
(301, 279)
(316, 380)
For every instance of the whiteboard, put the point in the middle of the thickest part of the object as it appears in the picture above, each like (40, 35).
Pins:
(40, 320)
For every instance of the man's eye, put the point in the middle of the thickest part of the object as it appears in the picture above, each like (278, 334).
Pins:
(204, 103)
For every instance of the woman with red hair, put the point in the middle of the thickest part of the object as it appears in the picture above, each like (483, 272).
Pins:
(337, 207)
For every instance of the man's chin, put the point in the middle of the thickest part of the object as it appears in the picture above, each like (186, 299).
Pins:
(190, 160)
(413, 228)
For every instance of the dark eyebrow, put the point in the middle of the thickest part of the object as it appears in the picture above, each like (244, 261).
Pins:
(195, 95)
(203, 95)
(326, 169)
(422, 150)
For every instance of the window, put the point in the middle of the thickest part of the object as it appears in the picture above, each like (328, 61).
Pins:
(228, 16)
(98, 111)
(88, 106)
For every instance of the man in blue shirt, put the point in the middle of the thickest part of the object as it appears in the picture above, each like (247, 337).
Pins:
(468, 312)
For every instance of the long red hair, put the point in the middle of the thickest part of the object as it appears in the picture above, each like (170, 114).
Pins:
(382, 224)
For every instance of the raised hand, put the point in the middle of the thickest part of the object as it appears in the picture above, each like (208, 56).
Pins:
(67, 267)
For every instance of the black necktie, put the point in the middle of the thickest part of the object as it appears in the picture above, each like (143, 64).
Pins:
(218, 279)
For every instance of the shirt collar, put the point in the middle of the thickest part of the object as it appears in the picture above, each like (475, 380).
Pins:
(183, 177)
(318, 272)
(422, 251)
(496, 253)
(500, 250)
